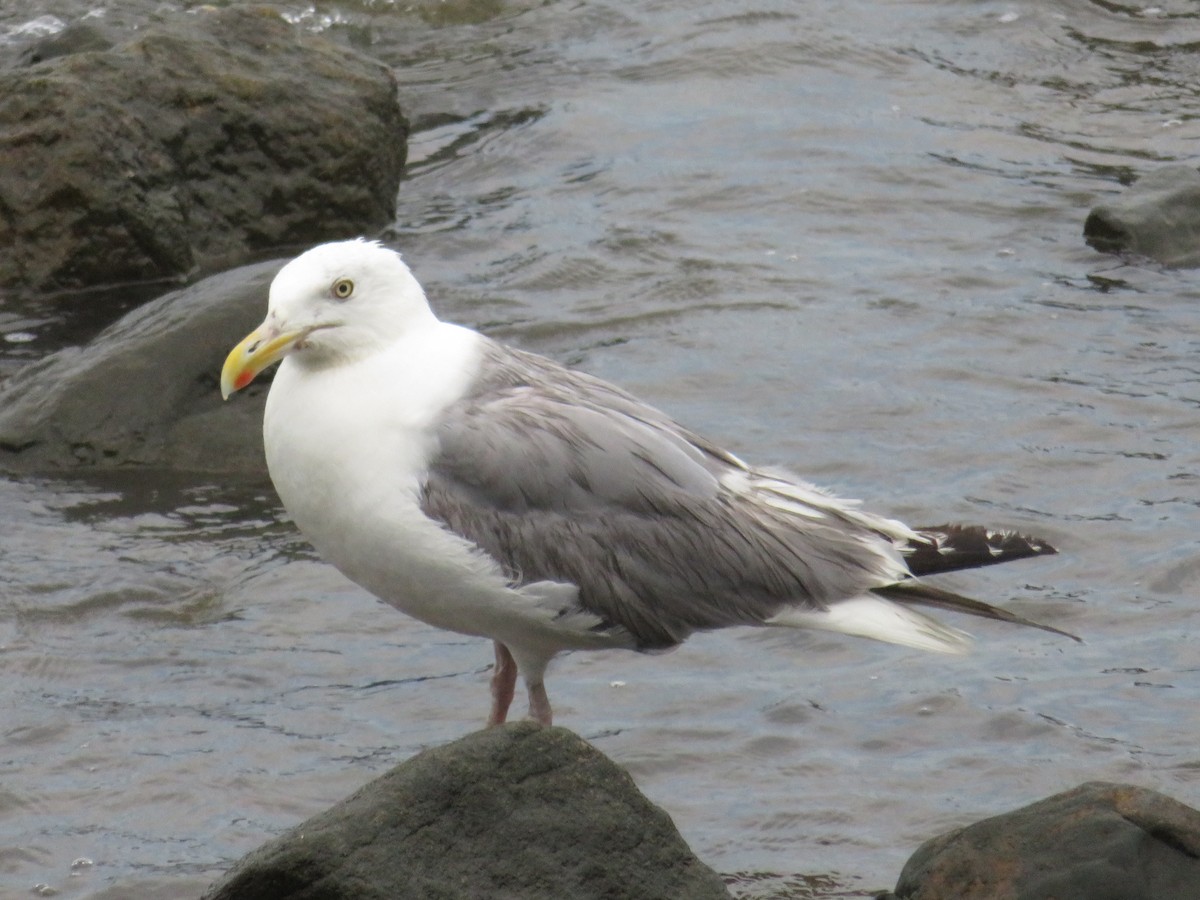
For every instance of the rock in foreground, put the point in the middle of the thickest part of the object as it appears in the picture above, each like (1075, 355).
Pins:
(520, 812)
(1099, 841)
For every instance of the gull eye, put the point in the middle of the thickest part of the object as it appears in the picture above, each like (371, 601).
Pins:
(343, 288)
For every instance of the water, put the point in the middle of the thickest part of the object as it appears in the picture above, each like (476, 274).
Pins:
(841, 237)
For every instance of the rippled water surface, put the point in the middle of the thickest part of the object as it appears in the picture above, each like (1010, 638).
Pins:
(841, 237)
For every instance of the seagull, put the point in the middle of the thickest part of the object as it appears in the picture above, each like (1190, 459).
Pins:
(493, 492)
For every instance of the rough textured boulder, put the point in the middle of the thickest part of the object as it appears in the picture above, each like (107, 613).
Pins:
(1099, 841)
(146, 390)
(212, 139)
(79, 37)
(513, 813)
(1158, 218)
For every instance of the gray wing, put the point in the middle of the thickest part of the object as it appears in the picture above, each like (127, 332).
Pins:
(563, 477)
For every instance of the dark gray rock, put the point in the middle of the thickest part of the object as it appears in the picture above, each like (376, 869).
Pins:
(518, 812)
(215, 138)
(79, 37)
(146, 390)
(1157, 218)
(1099, 841)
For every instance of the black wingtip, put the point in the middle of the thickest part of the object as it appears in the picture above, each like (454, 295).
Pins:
(948, 548)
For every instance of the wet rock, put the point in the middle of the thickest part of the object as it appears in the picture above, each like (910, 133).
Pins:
(1100, 841)
(212, 139)
(79, 37)
(520, 812)
(1158, 218)
(146, 390)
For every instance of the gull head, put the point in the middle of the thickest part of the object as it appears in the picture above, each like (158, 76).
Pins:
(335, 302)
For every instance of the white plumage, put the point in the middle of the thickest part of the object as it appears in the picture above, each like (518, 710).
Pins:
(493, 493)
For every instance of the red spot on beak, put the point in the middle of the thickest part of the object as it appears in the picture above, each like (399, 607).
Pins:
(242, 380)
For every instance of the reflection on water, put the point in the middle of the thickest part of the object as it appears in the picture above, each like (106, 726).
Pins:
(845, 238)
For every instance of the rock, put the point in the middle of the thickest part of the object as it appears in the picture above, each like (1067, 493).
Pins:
(146, 390)
(1099, 841)
(79, 37)
(1158, 217)
(519, 812)
(215, 138)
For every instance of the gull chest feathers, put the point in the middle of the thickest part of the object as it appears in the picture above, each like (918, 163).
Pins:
(346, 448)
(496, 493)
(366, 369)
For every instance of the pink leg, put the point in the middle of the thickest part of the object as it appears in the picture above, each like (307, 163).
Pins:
(539, 704)
(504, 680)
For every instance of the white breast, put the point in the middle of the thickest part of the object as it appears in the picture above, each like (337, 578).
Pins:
(346, 445)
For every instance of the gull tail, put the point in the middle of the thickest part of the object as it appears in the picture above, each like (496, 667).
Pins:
(886, 615)
(915, 593)
(881, 620)
(947, 548)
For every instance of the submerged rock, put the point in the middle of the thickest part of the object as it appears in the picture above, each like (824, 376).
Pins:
(1097, 841)
(1158, 218)
(146, 390)
(212, 139)
(521, 812)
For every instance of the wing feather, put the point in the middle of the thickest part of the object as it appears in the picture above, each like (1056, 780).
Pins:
(563, 477)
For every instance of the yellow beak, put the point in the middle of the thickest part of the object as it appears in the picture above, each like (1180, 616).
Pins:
(262, 347)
